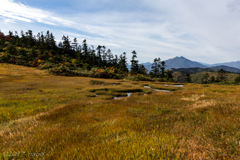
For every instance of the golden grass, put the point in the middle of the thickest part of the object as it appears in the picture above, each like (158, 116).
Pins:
(53, 117)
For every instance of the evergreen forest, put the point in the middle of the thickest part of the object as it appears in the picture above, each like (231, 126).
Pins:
(68, 58)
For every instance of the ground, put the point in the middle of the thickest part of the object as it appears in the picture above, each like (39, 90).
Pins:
(54, 117)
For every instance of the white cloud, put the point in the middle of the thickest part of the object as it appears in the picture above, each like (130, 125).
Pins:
(18, 11)
(207, 31)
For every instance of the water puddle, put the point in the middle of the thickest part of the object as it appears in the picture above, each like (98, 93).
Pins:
(128, 95)
(159, 90)
(147, 86)
(180, 85)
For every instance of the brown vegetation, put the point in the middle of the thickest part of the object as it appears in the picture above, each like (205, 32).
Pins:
(54, 117)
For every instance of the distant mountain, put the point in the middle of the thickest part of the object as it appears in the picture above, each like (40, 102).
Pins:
(182, 62)
(188, 66)
(147, 65)
(210, 69)
(205, 64)
(177, 62)
(193, 70)
(226, 68)
(229, 64)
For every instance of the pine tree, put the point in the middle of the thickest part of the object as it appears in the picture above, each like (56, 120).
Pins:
(205, 78)
(104, 56)
(212, 79)
(237, 79)
(47, 41)
(93, 57)
(134, 63)
(222, 75)
(52, 42)
(74, 44)
(99, 48)
(85, 48)
(115, 61)
(169, 75)
(123, 63)
(163, 66)
(30, 41)
(156, 67)
(66, 43)
(188, 78)
(110, 57)
(142, 69)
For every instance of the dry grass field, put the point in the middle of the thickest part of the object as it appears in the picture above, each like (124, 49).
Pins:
(54, 117)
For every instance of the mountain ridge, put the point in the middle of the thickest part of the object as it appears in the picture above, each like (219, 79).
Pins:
(185, 64)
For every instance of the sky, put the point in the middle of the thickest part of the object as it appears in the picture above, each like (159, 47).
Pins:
(204, 31)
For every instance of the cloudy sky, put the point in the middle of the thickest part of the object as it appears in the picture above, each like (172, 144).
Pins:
(205, 31)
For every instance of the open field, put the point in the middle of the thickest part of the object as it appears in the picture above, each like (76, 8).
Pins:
(54, 117)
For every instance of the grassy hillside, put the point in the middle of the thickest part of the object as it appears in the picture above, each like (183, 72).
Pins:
(54, 117)
(210, 69)
(196, 78)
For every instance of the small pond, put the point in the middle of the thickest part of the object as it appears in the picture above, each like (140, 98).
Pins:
(128, 95)
(180, 85)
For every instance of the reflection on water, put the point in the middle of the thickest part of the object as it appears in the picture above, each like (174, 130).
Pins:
(173, 85)
(128, 95)
(160, 90)
(147, 86)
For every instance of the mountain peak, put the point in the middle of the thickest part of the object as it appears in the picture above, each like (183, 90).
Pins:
(181, 57)
(182, 62)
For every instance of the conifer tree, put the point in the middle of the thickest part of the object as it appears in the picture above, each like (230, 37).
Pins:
(52, 42)
(109, 57)
(115, 61)
(237, 79)
(212, 79)
(222, 75)
(99, 48)
(205, 78)
(169, 75)
(104, 56)
(66, 43)
(85, 48)
(188, 78)
(134, 63)
(142, 69)
(163, 66)
(123, 63)
(156, 67)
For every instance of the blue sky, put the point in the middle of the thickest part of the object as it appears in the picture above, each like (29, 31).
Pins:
(204, 31)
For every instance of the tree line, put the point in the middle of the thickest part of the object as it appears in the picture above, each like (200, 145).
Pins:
(42, 51)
